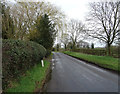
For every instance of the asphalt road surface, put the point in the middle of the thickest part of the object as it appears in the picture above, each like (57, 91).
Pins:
(72, 75)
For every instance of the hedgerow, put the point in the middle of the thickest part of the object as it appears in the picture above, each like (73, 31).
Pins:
(100, 52)
(19, 56)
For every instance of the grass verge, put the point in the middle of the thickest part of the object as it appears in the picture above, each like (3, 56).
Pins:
(106, 62)
(31, 80)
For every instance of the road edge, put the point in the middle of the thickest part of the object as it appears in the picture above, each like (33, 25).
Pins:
(92, 63)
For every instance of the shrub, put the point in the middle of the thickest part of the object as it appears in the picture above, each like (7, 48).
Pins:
(19, 56)
(53, 49)
(100, 52)
(48, 53)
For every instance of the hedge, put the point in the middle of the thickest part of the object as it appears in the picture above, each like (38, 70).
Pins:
(19, 56)
(48, 53)
(100, 52)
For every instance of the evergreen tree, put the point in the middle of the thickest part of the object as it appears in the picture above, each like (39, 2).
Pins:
(45, 32)
(57, 47)
(92, 45)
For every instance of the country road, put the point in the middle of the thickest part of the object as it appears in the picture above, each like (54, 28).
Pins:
(72, 75)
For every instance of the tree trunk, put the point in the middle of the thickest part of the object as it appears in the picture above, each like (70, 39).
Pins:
(109, 50)
(65, 47)
(74, 47)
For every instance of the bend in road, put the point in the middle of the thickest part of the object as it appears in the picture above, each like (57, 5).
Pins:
(73, 75)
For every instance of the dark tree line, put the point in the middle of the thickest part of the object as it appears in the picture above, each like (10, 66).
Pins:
(31, 21)
(7, 23)
(45, 32)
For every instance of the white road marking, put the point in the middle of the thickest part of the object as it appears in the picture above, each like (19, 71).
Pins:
(53, 67)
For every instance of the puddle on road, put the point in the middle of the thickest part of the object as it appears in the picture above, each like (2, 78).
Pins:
(54, 60)
(53, 67)
(53, 63)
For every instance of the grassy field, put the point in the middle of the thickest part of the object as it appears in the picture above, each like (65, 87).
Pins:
(32, 79)
(103, 61)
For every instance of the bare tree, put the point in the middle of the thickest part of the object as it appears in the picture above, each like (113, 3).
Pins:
(65, 39)
(76, 32)
(104, 22)
(25, 15)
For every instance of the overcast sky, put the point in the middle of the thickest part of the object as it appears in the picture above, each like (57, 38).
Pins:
(76, 9)
(73, 8)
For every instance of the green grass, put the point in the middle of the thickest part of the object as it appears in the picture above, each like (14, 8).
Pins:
(27, 83)
(103, 61)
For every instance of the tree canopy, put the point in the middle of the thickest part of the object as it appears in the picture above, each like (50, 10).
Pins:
(45, 32)
(104, 22)
(8, 30)
(24, 15)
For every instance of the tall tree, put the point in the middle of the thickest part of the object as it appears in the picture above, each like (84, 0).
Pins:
(65, 39)
(92, 46)
(57, 47)
(104, 22)
(25, 14)
(76, 32)
(45, 32)
(7, 23)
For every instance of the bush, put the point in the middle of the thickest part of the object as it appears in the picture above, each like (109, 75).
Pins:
(100, 52)
(48, 53)
(53, 49)
(19, 56)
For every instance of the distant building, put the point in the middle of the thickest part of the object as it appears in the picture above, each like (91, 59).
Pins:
(82, 44)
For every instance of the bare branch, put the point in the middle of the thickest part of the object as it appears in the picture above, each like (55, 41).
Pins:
(104, 20)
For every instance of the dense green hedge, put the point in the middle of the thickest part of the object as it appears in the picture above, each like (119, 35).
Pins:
(19, 56)
(99, 51)
(92, 51)
(48, 53)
